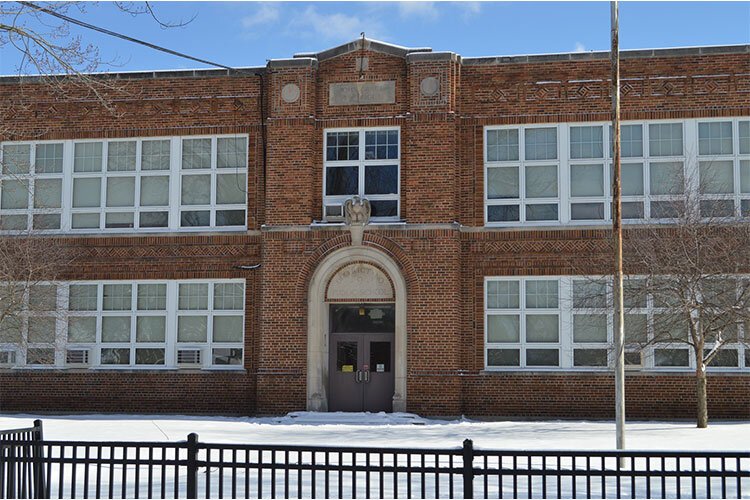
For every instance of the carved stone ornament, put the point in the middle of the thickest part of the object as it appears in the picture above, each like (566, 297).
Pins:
(357, 214)
(359, 282)
(290, 92)
(357, 210)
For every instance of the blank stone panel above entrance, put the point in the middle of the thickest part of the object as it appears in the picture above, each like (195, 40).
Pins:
(359, 282)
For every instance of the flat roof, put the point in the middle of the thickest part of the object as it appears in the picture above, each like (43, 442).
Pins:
(312, 58)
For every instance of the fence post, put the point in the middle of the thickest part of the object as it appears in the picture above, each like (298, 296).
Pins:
(40, 487)
(468, 459)
(192, 465)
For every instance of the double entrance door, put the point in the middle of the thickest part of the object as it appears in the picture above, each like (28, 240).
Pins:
(361, 352)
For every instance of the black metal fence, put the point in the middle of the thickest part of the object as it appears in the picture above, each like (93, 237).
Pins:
(192, 469)
(21, 474)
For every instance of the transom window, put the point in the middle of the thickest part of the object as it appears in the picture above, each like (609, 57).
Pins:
(149, 324)
(154, 184)
(363, 162)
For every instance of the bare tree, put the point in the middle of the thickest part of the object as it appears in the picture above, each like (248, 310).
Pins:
(51, 54)
(693, 270)
(687, 288)
(63, 64)
(30, 269)
(41, 33)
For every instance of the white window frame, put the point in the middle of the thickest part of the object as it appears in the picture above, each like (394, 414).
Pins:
(522, 202)
(214, 171)
(362, 164)
(689, 160)
(170, 344)
(175, 174)
(522, 311)
(737, 196)
(566, 344)
(31, 177)
(24, 315)
(210, 313)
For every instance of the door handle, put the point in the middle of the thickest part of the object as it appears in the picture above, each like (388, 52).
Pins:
(358, 376)
(367, 376)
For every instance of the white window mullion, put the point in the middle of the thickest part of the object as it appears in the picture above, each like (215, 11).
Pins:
(137, 190)
(67, 187)
(59, 339)
(608, 165)
(566, 327)
(522, 175)
(170, 336)
(97, 355)
(175, 182)
(361, 169)
(32, 185)
(690, 151)
(522, 323)
(563, 181)
(737, 171)
(213, 181)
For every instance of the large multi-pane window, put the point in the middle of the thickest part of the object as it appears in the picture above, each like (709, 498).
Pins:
(212, 314)
(523, 323)
(724, 168)
(213, 189)
(536, 323)
(141, 324)
(522, 174)
(363, 162)
(662, 163)
(154, 184)
(31, 186)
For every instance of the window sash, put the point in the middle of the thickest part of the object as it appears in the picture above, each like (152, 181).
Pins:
(503, 207)
(506, 310)
(525, 304)
(535, 203)
(141, 331)
(363, 175)
(152, 164)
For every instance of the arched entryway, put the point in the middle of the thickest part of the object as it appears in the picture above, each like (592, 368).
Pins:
(363, 278)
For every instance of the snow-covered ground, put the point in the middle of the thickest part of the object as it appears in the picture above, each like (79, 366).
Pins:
(390, 430)
(383, 430)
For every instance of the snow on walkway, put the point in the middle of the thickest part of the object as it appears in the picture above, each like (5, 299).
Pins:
(389, 430)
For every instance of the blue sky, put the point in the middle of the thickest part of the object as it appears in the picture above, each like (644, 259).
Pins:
(248, 33)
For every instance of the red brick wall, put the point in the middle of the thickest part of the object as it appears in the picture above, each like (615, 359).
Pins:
(441, 182)
(657, 396)
(221, 393)
(651, 88)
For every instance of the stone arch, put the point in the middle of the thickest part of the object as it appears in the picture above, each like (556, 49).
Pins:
(372, 240)
(360, 281)
(318, 328)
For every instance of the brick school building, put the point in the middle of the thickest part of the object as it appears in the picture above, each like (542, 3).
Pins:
(370, 227)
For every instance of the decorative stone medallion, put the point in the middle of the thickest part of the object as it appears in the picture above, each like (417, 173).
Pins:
(429, 86)
(290, 92)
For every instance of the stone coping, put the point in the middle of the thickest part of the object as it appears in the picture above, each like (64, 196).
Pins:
(311, 59)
